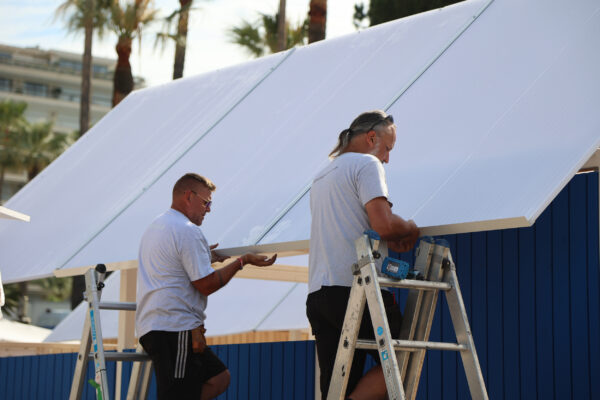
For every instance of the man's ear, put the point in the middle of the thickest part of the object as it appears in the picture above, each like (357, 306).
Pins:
(371, 137)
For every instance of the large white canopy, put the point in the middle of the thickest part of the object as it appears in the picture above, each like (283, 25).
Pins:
(496, 104)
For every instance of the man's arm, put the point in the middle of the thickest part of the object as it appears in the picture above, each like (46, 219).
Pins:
(215, 281)
(400, 234)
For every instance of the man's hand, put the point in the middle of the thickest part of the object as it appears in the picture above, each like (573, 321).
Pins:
(258, 260)
(214, 256)
(407, 243)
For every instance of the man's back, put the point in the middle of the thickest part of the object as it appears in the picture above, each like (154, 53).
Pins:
(173, 252)
(337, 200)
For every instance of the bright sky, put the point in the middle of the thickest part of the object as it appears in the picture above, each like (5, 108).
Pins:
(28, 23)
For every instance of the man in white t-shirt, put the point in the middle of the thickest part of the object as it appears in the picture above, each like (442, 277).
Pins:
(347, 197)
(175, 278)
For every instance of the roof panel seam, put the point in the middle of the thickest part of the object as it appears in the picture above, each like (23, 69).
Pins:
(160, 174)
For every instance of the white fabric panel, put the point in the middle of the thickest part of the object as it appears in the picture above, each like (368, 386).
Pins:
(112, 165)
(241, 306)
(488, 143)
(263, 153)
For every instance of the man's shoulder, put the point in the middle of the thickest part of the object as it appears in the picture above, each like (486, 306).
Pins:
(357, 158)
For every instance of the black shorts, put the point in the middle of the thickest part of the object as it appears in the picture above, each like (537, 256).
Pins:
(180, 373)
(326, 309)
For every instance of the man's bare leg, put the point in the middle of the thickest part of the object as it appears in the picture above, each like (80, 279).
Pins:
(371, 386)
(215, 385)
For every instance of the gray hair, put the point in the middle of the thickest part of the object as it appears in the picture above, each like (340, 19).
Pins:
(364, 123)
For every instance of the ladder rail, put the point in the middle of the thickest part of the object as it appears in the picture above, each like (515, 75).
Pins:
(413, 303)
(347, 343)
(464, 336)
(424, 321)
(92, 348)
(82, 361)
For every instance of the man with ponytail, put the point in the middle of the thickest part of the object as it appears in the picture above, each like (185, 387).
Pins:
(347, 197)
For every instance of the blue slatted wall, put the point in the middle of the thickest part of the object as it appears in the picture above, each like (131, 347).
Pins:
(532, 296)
(533, 301)
(258, 371)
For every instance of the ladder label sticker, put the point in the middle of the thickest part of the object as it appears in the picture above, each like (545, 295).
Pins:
(384, 355)
(380, 331)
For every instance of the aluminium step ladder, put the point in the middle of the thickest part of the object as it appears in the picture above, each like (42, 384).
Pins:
(92, 339)
(402, 359)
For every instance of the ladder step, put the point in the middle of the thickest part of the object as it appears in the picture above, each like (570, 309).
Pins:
(414, 284)
(119, 356)
(107, 305)
(412, 345)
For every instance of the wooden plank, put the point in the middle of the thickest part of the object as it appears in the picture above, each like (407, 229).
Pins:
(277, 272)
(463, 270)
(510, 313)
(561, 296)
(450, 364)
(578, 287)
(479, 300)
(527, 317)
(543, 306)
(593, 279)
(12, 214)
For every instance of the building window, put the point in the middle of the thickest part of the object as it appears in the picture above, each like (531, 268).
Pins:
(35, 89)
(100, 69)
(5, 85)
(70, 94)
(102, 100)
(68, 64)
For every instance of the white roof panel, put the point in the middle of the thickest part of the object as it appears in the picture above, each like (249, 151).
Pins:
(475, 99)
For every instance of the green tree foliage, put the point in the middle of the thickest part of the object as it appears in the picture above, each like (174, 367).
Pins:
(38, 146)
(12, 122)
(381, 11)
(127, 18)
(260, 38)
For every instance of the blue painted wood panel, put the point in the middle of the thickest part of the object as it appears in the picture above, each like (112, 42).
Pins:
(533, 300)
(258, 371)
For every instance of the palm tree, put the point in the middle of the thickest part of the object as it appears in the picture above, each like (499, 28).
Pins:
(180, 45)
(85, 15)
(38, 146)
(260, 38)
(179, 37)
(12, 121)
(317, 14)
(127, 21)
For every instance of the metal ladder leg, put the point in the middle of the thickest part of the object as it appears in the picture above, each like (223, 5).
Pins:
(464, 335)
(140, 378)
(82, 361)
(347, 343)
(423, 323)
(412, 307)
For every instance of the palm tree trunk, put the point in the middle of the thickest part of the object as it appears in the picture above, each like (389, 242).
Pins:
(123, 79)
(182, 29)
(281, 28)
(86, 73)
(318, 20)
(1, 181)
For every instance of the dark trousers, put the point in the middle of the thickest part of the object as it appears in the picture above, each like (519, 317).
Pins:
(326, 309)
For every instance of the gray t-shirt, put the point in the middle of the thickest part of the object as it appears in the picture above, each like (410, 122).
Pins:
(173, 253)
(337, 203)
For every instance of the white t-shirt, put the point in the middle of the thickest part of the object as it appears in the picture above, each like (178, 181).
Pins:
(337, 203)
(173, 253)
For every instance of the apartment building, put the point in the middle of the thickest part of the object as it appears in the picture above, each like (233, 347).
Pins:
(49, 81)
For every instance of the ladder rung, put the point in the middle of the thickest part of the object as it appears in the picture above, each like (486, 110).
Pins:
(412, 345)
(119, 356)
(414, 284)
(107, 305)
